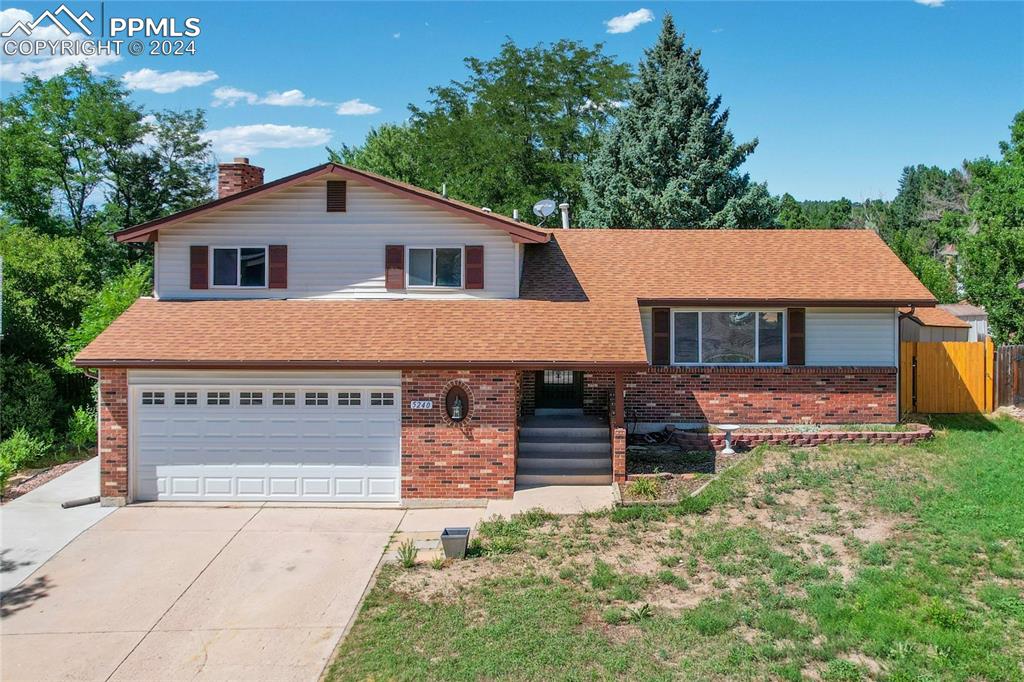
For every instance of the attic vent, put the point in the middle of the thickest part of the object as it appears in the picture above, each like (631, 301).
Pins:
(337, 191)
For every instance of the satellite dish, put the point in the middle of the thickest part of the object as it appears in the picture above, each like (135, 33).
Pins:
(544, 208)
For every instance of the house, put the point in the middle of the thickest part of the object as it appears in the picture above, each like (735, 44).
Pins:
(339, 336)
(973, 315)
(932, 324)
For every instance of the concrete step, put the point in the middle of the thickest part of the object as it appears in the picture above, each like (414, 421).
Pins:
(598, 447)
(563, 433)
(560, 466)
(563, 479)
(558, 412)
(535, 464)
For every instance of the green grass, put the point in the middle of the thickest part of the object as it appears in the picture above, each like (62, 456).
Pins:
(939, 597)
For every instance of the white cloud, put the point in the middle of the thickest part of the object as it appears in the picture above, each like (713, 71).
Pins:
(931, 3)
(229, 97)
(164, 82)
(45, 64)
(396, 36)
(252, 139)
(628, 22)
(291, 98)
(717, 30)
(356, 107)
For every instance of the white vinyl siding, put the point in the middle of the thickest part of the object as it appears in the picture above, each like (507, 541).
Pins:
(334, 255)
(835, 336)
(850, 336)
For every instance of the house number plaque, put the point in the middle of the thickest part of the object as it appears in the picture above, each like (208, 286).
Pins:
(421, 404)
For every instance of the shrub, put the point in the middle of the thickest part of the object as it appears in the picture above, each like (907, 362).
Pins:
(29, 398)
(19, 450)
(81, 430)
(647, 488)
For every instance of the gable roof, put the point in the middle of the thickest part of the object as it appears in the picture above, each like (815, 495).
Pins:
(727, 267)
(520, 232)
(935, 317)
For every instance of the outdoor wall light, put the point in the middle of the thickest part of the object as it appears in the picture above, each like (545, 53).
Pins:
(456, 403)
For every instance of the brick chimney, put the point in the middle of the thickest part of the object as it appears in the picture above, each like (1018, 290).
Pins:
(237, 176)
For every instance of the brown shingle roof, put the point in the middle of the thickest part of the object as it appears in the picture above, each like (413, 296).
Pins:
(578, 305)
(378, 333)
(824, 267)
(935, 317)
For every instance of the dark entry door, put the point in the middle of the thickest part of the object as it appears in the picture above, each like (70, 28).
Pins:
(558, 388)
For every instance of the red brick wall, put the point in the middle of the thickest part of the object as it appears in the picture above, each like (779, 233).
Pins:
(113, 436)
(528, 393)
(763, 395)
(474, 459)
(597, 387)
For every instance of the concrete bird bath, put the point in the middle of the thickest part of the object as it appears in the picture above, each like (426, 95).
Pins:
(728, 429)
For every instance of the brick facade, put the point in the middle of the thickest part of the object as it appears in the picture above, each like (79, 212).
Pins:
(763, 395)
(474, 459)
(113, 436)
(748, 395)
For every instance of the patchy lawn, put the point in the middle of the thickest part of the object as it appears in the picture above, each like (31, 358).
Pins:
(842, 563)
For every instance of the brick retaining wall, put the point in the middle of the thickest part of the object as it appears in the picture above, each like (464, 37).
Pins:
(689, 440)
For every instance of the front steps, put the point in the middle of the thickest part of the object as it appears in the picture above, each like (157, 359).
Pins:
(563, 447)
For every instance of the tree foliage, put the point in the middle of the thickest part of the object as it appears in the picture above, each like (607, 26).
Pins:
(516, 130)
(78, 159)
(669, 160)
(992, 259)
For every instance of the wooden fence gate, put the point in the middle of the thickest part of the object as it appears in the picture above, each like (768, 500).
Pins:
(1010, 375)
(947, 377)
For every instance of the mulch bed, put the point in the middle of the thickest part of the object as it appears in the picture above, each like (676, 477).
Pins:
(17, 487)
(679, 472)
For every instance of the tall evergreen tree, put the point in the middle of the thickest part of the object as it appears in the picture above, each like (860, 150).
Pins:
(669, 160)
(791, 213)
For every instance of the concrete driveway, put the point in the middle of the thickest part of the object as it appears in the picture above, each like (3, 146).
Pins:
(172, 593)
(34, 527)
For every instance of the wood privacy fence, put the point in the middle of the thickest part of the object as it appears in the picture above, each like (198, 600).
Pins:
(947, 377)
(1010, 375)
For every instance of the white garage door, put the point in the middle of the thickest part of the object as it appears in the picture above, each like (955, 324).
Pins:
(267, 442)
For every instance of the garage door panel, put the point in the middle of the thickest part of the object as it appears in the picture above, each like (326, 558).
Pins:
(344, 450)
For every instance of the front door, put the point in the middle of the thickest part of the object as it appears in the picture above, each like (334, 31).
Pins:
(558, 388)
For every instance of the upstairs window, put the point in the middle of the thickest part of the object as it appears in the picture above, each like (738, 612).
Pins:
(441, 267)
(741, 337)
(240, 267)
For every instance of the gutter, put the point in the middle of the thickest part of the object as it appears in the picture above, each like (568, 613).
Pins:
(359, 364)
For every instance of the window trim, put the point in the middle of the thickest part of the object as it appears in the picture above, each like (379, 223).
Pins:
(433, 250)
(238, 266)
(700, 337)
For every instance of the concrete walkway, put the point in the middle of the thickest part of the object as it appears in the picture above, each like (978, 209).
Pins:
(33, 527)
(557, 499)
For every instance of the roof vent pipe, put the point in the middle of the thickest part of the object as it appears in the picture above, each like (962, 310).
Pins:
(564, 208)
(515, 214)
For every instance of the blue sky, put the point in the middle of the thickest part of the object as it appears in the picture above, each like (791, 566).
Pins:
(842, 95)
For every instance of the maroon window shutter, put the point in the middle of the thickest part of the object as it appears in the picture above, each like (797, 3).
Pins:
(394, 267)
(474, 267)
(795, 335)
(278, 255)
(199, 267)
(660, 319)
